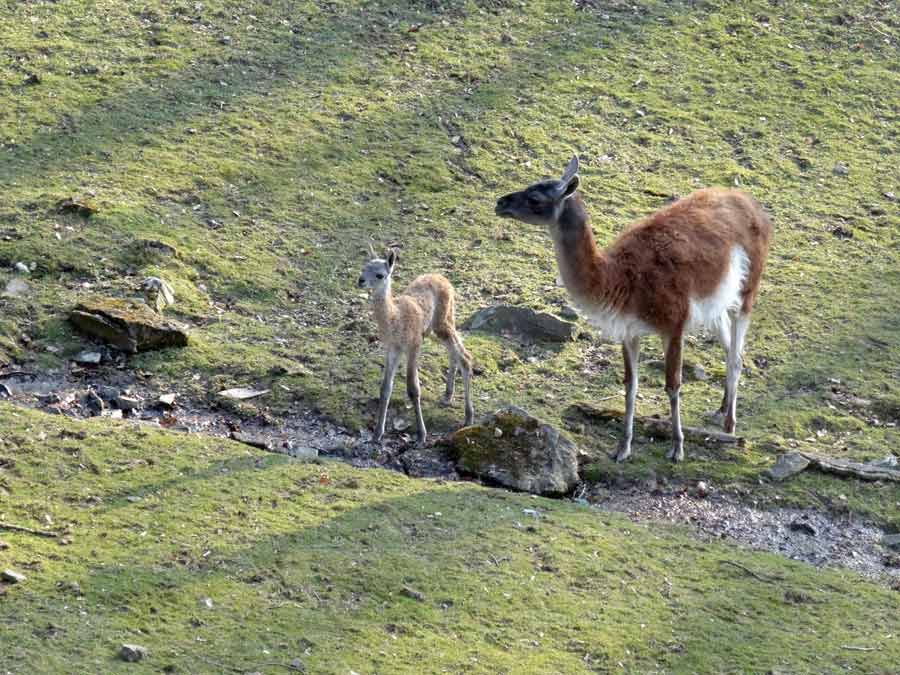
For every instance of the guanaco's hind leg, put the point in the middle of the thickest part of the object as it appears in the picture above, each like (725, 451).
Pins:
(460, 360)
(673, 389)
(452, 369)
(718, 416)
(740, 322)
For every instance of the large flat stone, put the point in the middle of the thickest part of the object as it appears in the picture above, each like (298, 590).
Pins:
(523, 323)
(129, 326)
(787, 465)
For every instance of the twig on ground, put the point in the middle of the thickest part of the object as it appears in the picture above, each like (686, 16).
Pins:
(880, 32)
(859, 649)
(753, 574)
(9, 527)
(16, 373)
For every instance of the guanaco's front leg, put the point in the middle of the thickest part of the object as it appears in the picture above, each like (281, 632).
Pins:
(391, 359)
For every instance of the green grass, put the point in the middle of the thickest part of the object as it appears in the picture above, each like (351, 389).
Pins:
(315, 556)
(267, 142)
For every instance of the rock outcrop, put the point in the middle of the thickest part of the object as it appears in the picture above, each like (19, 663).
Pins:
(129, 326)
(515, 449)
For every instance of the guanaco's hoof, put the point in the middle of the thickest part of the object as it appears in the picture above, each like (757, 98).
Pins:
(621, 454)
(675, 454)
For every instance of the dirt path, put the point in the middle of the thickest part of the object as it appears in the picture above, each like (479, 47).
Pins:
(816, 537)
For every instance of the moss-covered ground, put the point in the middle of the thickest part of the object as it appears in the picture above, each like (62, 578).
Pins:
(248, 152)
(372, 572)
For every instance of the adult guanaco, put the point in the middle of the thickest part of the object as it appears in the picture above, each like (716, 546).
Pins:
(694, 264)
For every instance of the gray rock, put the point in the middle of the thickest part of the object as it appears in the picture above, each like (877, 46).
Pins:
(250, 439)
(205, 603)
(891, 541)
(523, 322)
(800, 525)
(157, 293)
(412, 594)
(528, 455)
(128, 402)
(107, 393)
(568, 313)
(88, 358)
(840, 169)
(787, 465)
(131, 327)
(132, 653)
(94, 403)
(12, 577)
(15, 288)
(167, 400)
(302, 451)
(21, 268)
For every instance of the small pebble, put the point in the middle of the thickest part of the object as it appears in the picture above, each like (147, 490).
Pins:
(12, 577)
(132, 653)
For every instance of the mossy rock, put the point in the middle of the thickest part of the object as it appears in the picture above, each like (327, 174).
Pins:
(517, 450)
(129, 326)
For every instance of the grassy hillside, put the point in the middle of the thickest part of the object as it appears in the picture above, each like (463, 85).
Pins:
(310, 561)
(265, 143)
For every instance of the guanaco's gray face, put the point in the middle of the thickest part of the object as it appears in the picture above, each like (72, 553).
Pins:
(543, 202)
(377, 271)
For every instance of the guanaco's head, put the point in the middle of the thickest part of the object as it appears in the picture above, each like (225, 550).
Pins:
(541, 203)
(376, 273)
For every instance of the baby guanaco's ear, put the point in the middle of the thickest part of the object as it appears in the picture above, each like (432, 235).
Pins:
(391, 258)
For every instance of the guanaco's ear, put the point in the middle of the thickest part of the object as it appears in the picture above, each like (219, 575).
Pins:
(569, 181)
(570, 187)
(391, 258)
(372, 250)
(571, 170)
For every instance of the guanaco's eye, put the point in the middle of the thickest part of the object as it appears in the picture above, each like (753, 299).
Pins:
(379, 276)
(533, 202)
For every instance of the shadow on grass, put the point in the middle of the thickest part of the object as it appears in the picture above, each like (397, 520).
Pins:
(340, 585)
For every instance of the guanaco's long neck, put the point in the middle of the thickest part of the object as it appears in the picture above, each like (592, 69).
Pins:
(584, 269)
(384, 307)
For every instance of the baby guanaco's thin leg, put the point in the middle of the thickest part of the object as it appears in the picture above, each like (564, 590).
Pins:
(465, 362)
(413, 390)
(391, 360)
(452, 369)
